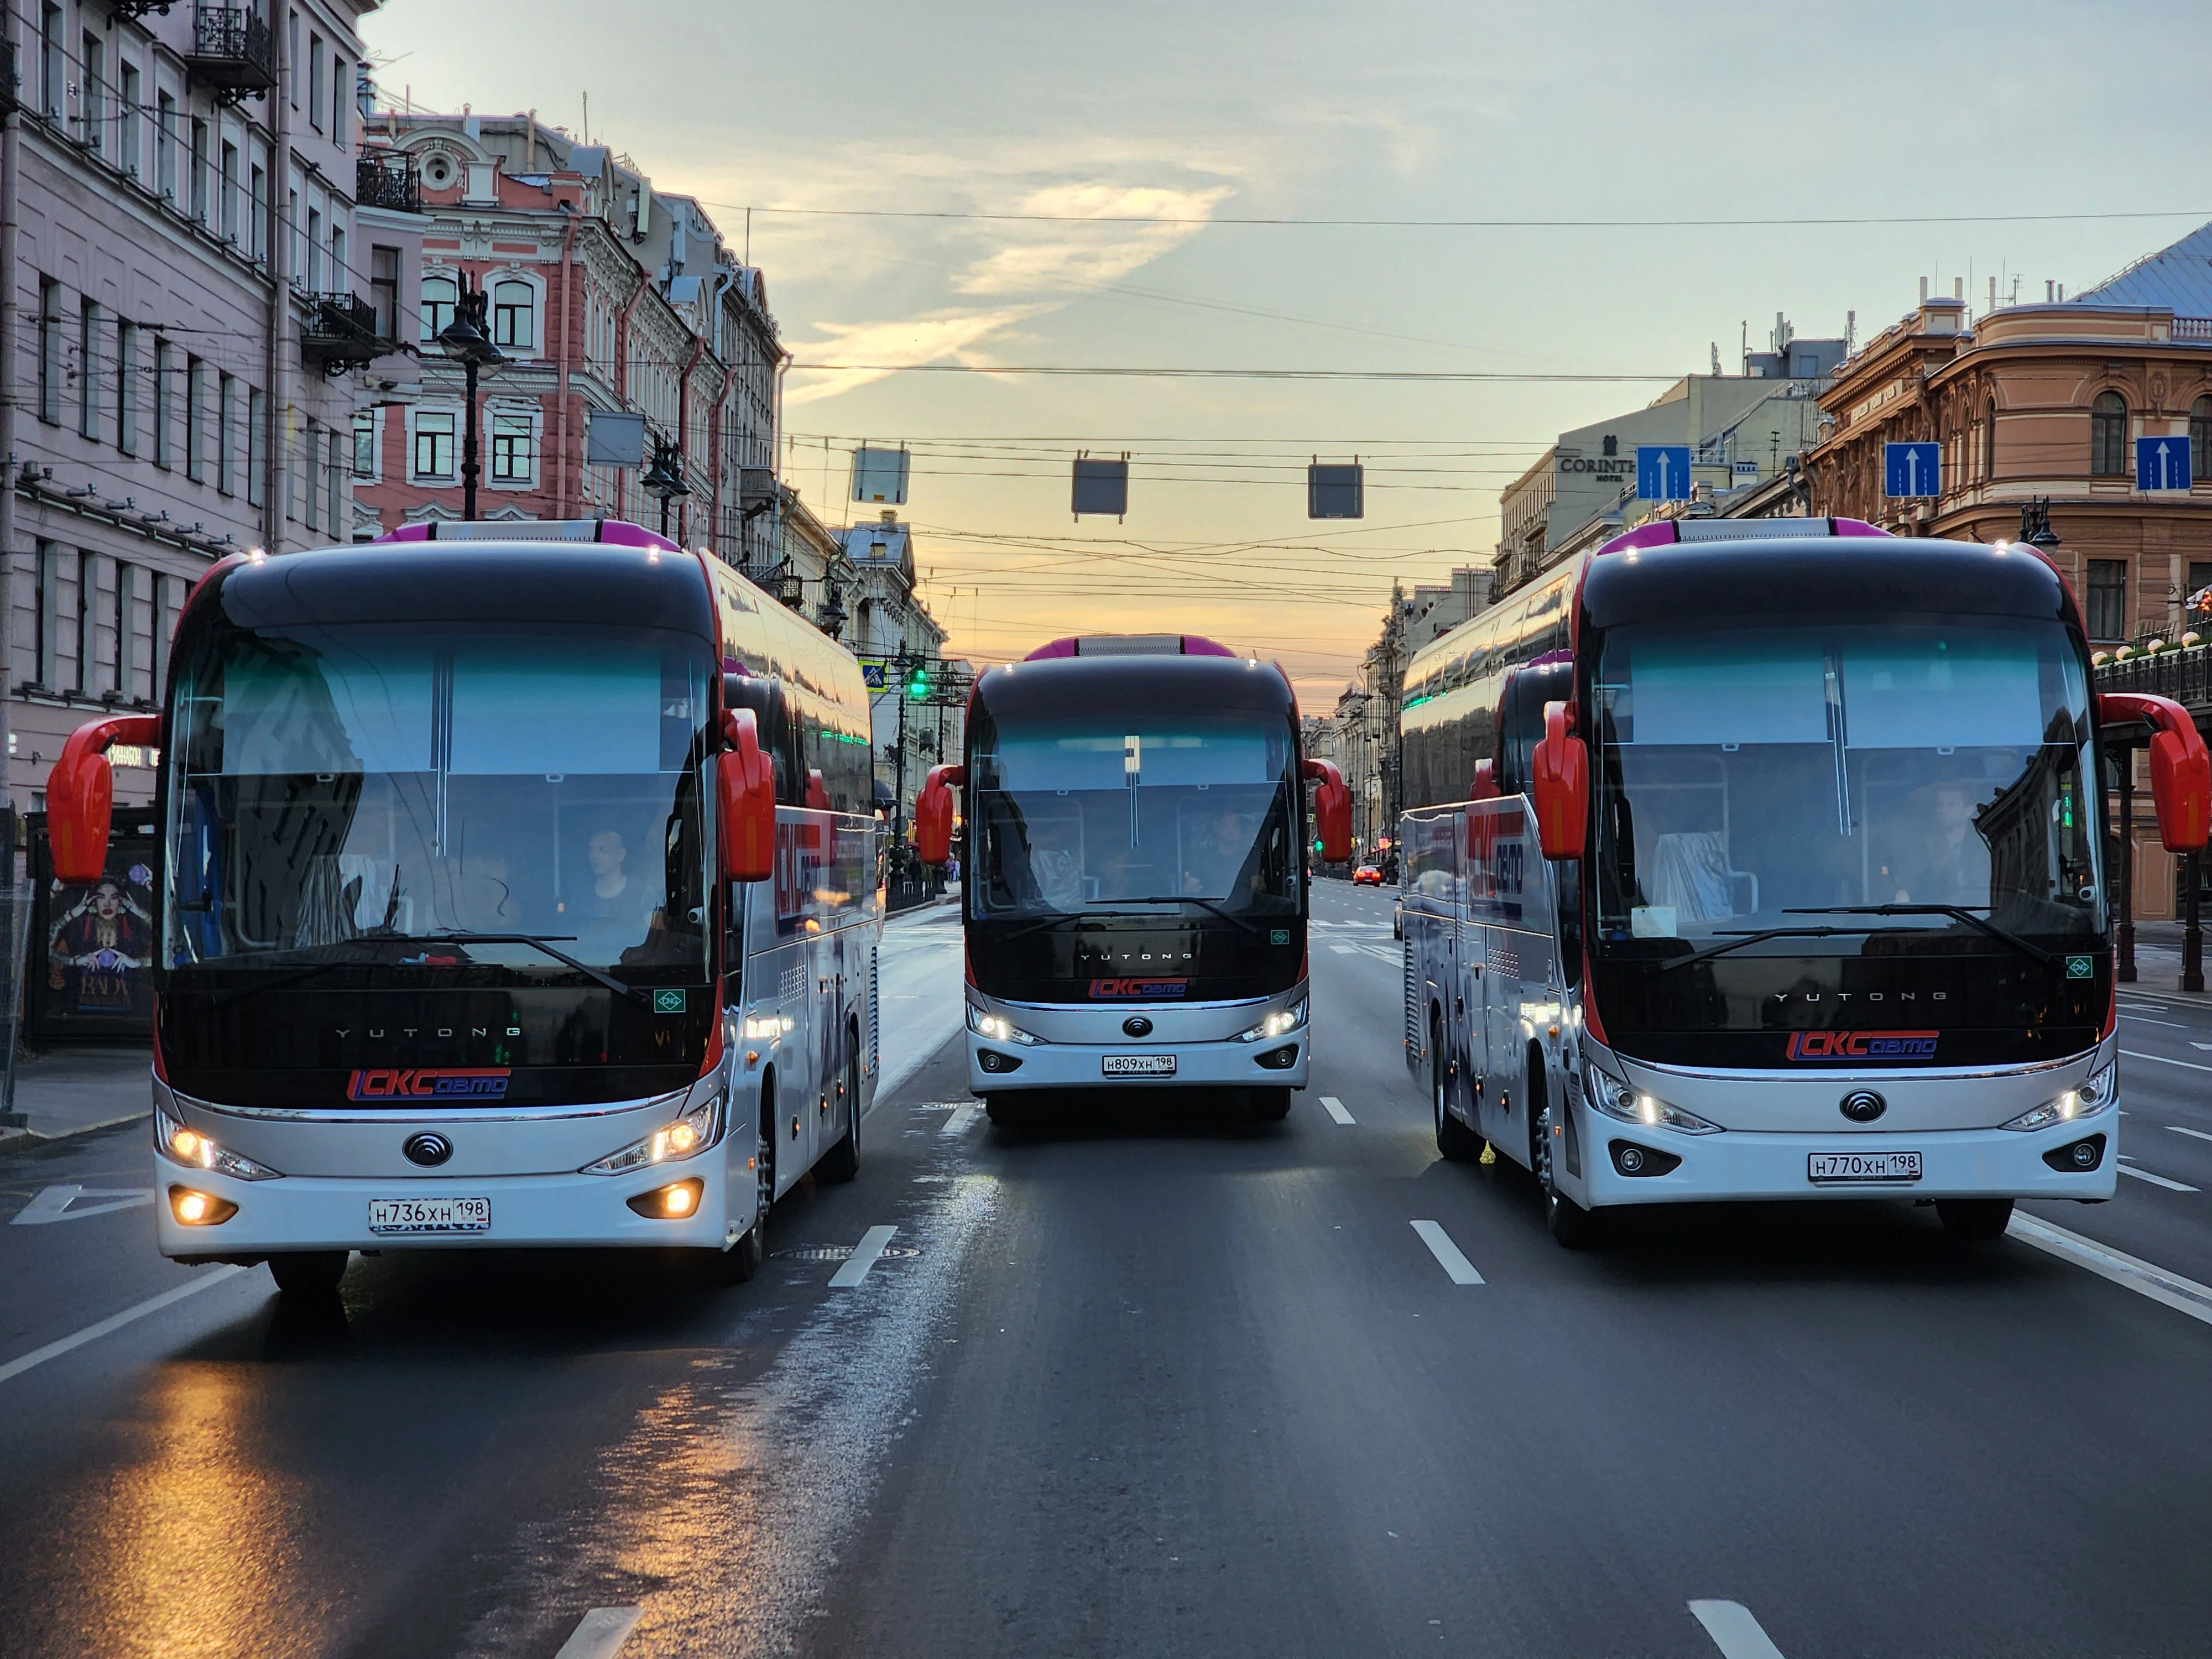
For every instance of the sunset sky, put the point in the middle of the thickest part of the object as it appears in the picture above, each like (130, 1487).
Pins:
(1590, 114)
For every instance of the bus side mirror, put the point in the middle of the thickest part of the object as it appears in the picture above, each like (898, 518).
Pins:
(1332, 812)
(81, 794)
(933, 814)
(1559, 774)
(2181, 769)
(747, 781)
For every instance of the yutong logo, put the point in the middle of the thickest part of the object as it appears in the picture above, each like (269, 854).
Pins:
(428, 1083)
(1139, 987)
(1863, 1045)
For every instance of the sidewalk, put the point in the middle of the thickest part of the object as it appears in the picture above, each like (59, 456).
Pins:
(67, 1091)
(2157, 963)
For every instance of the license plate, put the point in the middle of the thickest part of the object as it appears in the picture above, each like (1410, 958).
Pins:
(429, 1215)
(1862, 1166)
(1138, 1065)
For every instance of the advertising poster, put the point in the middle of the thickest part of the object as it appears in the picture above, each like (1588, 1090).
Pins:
(89, 975)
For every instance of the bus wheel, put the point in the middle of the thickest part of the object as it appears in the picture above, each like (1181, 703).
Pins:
(1569, 1224)
(1975, 1219)
(1268, 1105)
(1458, 1142)
(1006, 1112)
(308, 1275)
(842, 1162)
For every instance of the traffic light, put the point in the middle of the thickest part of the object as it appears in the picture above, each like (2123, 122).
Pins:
(917, 681)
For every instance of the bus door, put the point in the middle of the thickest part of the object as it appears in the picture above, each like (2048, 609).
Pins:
(1430, 850)
(1497, 847)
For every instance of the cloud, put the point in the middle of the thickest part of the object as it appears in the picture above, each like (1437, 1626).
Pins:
(1053, 256)
(932, 338)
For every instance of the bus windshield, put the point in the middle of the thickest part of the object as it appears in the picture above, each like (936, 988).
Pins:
(1783, 777)
(332, 786)
(1089, 815)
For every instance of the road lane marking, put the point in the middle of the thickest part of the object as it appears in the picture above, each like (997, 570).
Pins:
(2197, 1134)
(960, 1120)
(1334, 1108)
(600, 1633)
(1734, 1631)
(2132, 1273)
(115, 1323)
(2155, 1180)
(52, 1204)
(1343, 950)
(864, 1257)
(1447, 1253)
(2186, 1065)
(2140, 1019)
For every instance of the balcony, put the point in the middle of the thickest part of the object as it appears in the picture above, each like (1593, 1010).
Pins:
(341, 333)
(232, 51)
(386, 178)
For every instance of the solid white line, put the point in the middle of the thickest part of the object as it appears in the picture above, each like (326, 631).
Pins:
(115, 1323)
(2187, 1065)
(2197, 1135)
(1734, 1631)
(1343, 950)
(863, 1258)
(1447, 1253)
(2141, 1020)
(1334, 1108)
(2133, 1273)
(600, 1633)
(2155, 1180)
(2200, 1045)
(960, 1120)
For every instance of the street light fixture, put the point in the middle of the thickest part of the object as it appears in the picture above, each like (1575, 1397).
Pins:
(664, 480)
(465, 341)
(832, 617)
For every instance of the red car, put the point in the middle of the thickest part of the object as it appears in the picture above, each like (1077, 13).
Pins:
(1367, 875)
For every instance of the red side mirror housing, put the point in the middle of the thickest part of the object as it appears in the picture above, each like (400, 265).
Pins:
(746, 779)
(1332, 811)
(933, 813)
(817, 793)
(81, 794)
(1559, 780)
(2181, 769)
(1485, 781)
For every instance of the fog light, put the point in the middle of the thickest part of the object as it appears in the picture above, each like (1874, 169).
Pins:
(2077, 1156)
(671, 1203)
(197, 1209)
(1631, 1160)
(1279, 1060)
(991, 1061)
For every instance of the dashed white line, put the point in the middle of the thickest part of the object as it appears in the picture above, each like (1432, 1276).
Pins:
(960, 1120)
(2195, 1135)
(1446, 1253)
(2155, 1180)
(1734, 1631)
(1334, 1108)
(115, 1323)
(1343, 950)
(600, 1633)
(2186, 1065)
(865, 1256)
(2132, 1272)
(2141, 1019)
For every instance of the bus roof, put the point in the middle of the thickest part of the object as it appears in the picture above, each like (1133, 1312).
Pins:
(1131, 645)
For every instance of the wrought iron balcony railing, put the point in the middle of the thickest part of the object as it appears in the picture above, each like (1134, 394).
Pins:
(341, 333)
(387, 179)
(233, 49)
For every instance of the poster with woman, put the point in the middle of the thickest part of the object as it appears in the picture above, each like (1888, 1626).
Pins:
(91, 979)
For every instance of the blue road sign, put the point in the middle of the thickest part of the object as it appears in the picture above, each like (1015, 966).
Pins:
(2162, 462)
(1662, 472)
(872, 674)
(1911, 470)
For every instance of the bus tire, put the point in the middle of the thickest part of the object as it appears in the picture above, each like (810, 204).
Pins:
(308, 1275)
(1007, 1112)
(1569, 1223)
(1974, 1220)
(743, 1259)
(1268, 1105)
(1455, 1140)
(842, 1162)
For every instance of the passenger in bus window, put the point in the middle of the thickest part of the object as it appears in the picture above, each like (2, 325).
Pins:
(1215, 863)
(1056, 862)
(1952, 865)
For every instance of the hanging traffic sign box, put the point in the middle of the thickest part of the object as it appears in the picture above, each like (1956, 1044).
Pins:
(1335, 491)
(1101, 486)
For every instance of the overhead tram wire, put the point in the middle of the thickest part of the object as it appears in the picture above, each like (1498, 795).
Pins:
(1440, 376)
(1289, 221)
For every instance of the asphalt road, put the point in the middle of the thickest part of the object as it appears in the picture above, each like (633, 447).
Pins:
(1147, 1380)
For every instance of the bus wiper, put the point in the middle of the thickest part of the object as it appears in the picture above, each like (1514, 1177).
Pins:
(1956, 911)
(1223, 911)
(544, 942)
(1737, 941)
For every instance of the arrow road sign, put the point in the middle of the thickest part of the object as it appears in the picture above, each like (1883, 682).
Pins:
(1662, 472)
(2162, 462)
(1911, 470)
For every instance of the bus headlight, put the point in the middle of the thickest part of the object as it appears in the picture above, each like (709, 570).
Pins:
(180, 1144)
(687, 1137)
(1617, 1100)
(997, 1028)
(2094, 1095)
(1286, 1019)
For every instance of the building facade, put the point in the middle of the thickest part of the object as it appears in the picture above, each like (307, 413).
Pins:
(887, 621)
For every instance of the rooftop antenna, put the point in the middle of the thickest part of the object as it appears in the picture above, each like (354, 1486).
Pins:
(588, 117)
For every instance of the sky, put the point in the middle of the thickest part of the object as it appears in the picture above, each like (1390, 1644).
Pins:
(1998, 128)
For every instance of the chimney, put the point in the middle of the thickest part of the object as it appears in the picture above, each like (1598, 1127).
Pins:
(1923, 290)
(2046, 290)
(1958, 290)
(890, 515)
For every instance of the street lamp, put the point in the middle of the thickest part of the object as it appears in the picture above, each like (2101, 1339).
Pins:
(664, 480)
(832, 615)
(465, 341)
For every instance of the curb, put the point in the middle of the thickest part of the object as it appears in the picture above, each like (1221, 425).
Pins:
(23, 1140)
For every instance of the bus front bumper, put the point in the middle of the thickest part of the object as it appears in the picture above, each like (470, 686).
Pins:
(1093, 1066)
(290, 1212)
(1736, 1164)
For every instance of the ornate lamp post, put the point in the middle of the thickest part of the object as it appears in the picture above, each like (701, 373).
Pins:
(465, 341)
(832, 615)
(664, 480)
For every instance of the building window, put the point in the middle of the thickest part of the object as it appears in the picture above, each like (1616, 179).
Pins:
(2108, 599)
(92, 107)
(44, 574)
(199, 162)
(310, 467)
(434, 445)
(439, 296)
(314, 264)
(126, 627)
(334, 476)
(339, 135)
(364, 444)
(227, 194)
(50, 350)
(1990, 439)
(314, 81)
(384, 290)
(87, 623)
(511, 453)
(259, 251)
(513, 311)
(54, 58)
(257, 446)
(2200, 440)
(88, 369)
(225, 437)
(163, 369)
(340, 279)
(2108, 439)
(2200, 578)
(165, 146)
(194, 413)
(126, 120)
(126, 387)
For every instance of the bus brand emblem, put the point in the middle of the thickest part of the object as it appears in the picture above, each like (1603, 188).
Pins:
(668, 1002)
(428, 1149)
(2081, 967)
(1136, 1026)
(1862, 1106)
